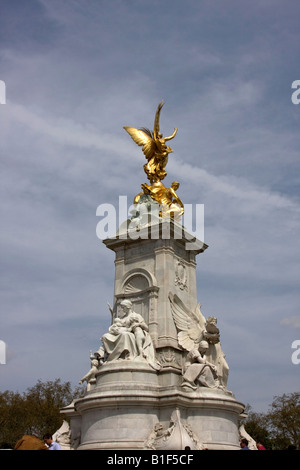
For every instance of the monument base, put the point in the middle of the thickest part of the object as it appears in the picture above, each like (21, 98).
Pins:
(159, 382)
(128, 409)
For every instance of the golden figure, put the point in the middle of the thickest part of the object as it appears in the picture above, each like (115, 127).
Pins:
(171, 204)
(154, 147)
(156, 152)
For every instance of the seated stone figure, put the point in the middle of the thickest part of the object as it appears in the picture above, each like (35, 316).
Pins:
(197, 370)
(128, 338)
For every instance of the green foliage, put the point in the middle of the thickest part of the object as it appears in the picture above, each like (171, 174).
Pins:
(257, 427)
(284, 420)
(12, 413)
(279, 428)
(36, 412)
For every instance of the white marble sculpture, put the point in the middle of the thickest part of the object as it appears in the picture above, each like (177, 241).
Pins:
(160, 357)
(205, 363)
(144, 212)
(128, 338)
(177, 435)
(63, 436)
(197, 370)
(243, 434)
(97, 360)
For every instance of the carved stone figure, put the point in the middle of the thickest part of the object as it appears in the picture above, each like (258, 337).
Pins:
(244, 435)
(192, 330)
(180, 275)
(212, 332)
(177, 435)
(217, 357)
(145, 211)
(63, 436)
(91, 373)
(197, 370)
(128, 338)
(89, 377)
(97, 359)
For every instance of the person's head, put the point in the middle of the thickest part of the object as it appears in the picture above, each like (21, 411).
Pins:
(47, 438)
(203, 346)
(126, 306)
(175, 185)
(244, 442)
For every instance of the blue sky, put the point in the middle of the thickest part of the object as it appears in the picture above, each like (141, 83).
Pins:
(76, 72)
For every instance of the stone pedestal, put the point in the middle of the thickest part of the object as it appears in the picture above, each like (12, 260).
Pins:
(131, 405)
(151, 266)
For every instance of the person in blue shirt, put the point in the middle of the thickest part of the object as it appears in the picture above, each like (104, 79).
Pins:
(244, 444)
(52, 445)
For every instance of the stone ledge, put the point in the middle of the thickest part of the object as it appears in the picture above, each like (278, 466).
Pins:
(156, 397)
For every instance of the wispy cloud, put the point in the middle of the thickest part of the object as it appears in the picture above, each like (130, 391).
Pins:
(291, 321)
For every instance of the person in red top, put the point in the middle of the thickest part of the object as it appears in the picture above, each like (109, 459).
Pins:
(260, 446)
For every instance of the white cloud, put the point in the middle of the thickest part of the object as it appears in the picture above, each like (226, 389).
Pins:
(66, 131)
(291, 321)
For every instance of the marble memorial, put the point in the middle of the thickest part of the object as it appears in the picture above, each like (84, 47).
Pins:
(158, 380)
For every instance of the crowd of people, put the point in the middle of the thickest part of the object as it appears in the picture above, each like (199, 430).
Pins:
(244, 445)
(30, 442)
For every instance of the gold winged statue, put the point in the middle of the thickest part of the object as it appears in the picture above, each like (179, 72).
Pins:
(154, 147)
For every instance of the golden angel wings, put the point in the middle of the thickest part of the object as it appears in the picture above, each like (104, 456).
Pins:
(154, 147)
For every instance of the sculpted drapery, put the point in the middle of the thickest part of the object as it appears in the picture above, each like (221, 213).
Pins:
(128, 338)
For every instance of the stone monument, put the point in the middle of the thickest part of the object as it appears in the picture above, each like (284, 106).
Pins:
(158, 380)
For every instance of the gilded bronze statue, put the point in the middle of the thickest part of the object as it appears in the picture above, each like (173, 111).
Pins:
(172, 205)
(154, 147)
(156, 152)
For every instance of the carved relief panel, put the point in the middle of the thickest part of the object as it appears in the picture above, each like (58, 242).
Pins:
(180, 275)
